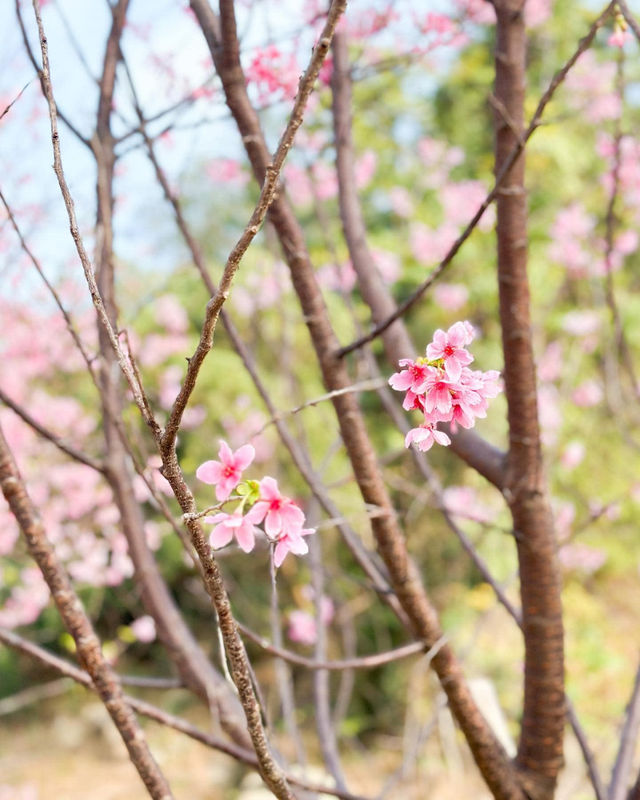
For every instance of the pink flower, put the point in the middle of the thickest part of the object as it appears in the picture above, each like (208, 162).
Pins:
(291, 541)
(450, 346)
(144, 628)
(227, 472)
(412, 376)
(229, 525)
(280, 514)
(302, 627)
(450, 296)
(618, 38)
(425, 436)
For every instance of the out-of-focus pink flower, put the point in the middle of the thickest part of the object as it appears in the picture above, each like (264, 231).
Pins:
(581, 323)
(365, 168)
(170, 314)
(589, 393)
(551, 363)
(274, 72)
(573, 454)
(226, 474)
(226, 526)
(618, 38)
(578, 556)
(302, 627)
(536, 12)
(401, 201)
(450, 296)
(144, 628)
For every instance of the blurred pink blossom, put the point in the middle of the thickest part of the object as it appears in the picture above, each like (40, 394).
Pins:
(144, 628)
(450, 296)
(589, 393)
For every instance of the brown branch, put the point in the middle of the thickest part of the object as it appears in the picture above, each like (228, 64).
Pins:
(11, 639)
(136, 389)
(51, 288)
(628, 741)
(629, 18)
(191, 662)
(475, 451)
(222, 39)
(327, 734)
(540, 750)
(622, 344)
(39, 72)
(299, 455)
(15, 100)
(268, 193)
(78, 625)
(361, 662)
(501, 176)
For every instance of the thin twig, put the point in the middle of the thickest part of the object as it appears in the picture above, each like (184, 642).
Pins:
(77, 455)
(628, 742)
(16, 642)
(506, 166)
(267, 194)
(136, 389)
(77, 623)
(15, 99)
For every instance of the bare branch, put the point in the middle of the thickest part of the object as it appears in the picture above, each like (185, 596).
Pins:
(501, 175)
(47, 434)
(79, 626)
(11, 639)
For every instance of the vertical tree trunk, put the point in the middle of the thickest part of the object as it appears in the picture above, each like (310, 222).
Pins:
(540, 747)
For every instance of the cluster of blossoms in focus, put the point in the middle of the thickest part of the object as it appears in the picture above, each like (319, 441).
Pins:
(260, 502)
(443, 388)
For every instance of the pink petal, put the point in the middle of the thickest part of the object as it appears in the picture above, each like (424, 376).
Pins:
(256, 514)
(225, 487)
(292, 516)
(224, 453)
(220, 536)
(273, 525)
(401, 381)
(245, 537)
(280, 553)
(209, 472)
(244, 456)
(269, 489)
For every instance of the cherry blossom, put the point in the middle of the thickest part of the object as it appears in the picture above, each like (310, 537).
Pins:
(412, 377)
(144, 628)
(226, 473)
(425, 436)
(450, 347)
(280, 514)
(227, 526)
(291, 541)
(443, 388)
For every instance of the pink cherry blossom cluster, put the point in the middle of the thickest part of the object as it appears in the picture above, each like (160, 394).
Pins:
(443, 388)
(283, 520)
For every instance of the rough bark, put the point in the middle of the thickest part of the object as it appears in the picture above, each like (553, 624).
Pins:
(540, 753)
(221, 37)
(78, 625)
(191, 662)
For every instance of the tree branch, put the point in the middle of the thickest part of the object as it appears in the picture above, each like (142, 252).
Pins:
(78, 625)
(540, 751)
